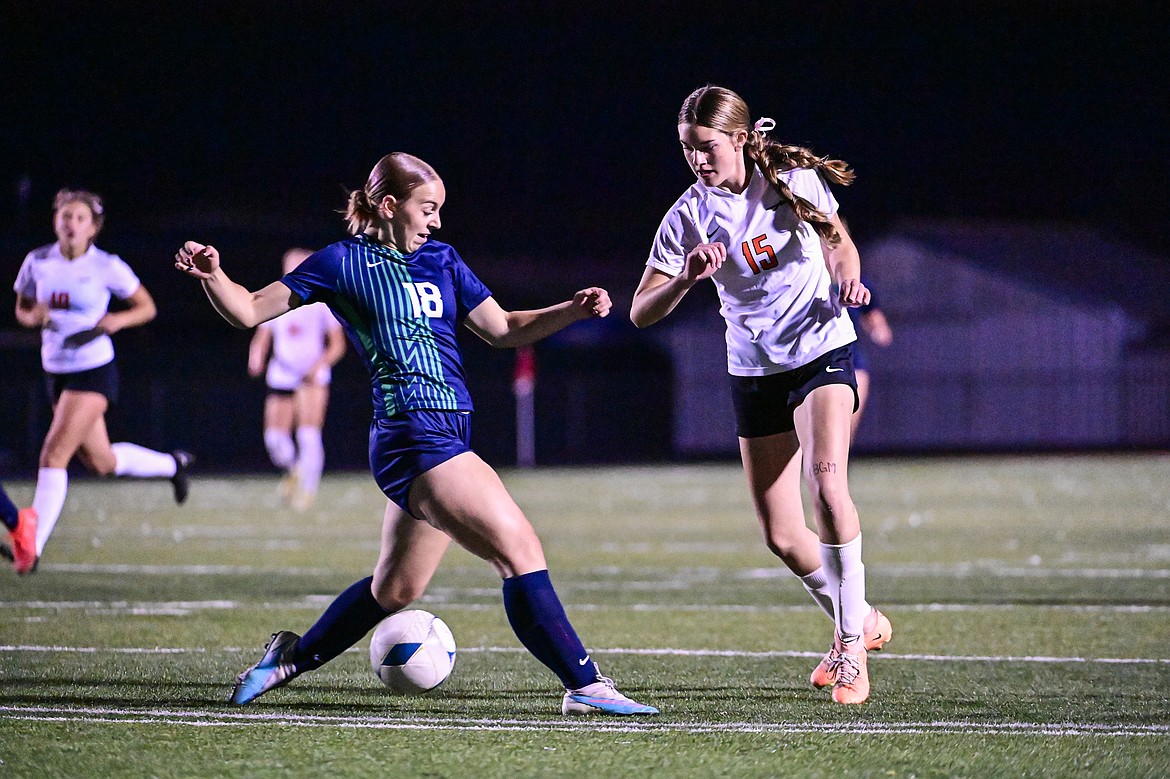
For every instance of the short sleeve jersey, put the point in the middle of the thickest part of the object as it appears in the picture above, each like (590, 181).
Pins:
(77, 293)
(774, 288)
(298, 341)
(400, 312)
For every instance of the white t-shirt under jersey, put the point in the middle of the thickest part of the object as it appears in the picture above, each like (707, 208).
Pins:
(77, 293)
(774, 288)
(298, 341)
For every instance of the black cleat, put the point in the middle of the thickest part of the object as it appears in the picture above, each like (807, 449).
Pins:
(181, 480)
(6, 551)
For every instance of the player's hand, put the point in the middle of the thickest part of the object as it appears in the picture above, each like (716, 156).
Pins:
(44, 321)
(592, 302)
(197, 260)
(703, 260)
(853, 293)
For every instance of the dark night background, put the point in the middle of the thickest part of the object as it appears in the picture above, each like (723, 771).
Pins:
(553, 127)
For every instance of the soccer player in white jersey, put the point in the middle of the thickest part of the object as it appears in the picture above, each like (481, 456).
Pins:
(296, 353)
(761, 223)
(64, 289)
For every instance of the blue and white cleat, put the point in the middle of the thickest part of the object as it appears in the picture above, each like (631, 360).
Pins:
(602, 697)
(274, 670)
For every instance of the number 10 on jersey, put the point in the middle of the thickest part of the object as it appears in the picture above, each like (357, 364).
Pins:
(759, 255)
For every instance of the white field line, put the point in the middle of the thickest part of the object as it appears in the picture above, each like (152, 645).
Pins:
(676, 578)
(222, 718)
(317, 602)
(654, 652)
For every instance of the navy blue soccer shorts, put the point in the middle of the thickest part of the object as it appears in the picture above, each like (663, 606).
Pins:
(102, 380)
(764, 405)
(409, 444)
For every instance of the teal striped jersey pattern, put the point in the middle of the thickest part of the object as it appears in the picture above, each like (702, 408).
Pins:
(400, 312)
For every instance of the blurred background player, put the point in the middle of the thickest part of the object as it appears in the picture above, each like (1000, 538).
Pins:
(64, 290)
(871, 320)
(401, 297)
(296, 352)
(762, 224)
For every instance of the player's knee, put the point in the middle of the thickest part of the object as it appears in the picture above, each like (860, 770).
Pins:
(520, 552)
(394, 593)
(831, 498)
(101, 467)
(781, 544)
(54, 457)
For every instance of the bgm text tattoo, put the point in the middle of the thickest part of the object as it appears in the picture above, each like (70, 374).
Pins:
(824, 468)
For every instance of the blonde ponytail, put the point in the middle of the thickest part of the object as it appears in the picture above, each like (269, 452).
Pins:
(774, 158)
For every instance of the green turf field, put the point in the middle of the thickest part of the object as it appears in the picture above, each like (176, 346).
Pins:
(1030, 598)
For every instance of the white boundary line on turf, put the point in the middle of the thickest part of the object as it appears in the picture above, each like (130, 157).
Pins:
(221, 718)
(957, 570)
(658, 652)
(316, 602)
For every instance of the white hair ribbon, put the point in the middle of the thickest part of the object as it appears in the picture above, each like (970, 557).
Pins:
(764, 124)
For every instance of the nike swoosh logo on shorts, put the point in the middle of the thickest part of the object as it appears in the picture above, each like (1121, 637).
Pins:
(584, 661)
(831, 369)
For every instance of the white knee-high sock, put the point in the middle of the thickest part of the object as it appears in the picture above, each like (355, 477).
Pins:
(310, 458)
(846, 574)
(134, 460)
(817, 585)
(281, 450)
(48, 500)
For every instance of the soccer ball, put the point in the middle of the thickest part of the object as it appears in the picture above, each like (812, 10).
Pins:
(412, 652)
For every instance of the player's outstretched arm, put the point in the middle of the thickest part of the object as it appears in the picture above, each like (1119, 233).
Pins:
(505, 329)
(658, 293)
(241, 308)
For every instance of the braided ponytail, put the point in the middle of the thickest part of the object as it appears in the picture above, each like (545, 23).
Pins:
(774, 158)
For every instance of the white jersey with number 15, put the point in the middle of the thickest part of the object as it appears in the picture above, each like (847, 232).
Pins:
(774, 288)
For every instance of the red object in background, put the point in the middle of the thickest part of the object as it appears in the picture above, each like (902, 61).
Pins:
(524, 373)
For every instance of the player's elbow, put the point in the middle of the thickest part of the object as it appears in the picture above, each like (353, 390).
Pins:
(641, 317)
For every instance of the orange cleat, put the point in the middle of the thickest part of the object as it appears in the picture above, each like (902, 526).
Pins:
(24, 542)
(852, 672)
(878, 631)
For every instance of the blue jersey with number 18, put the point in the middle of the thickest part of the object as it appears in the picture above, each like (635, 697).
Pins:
(400, 312)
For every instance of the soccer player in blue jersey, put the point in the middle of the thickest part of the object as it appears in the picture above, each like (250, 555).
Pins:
(399, 295)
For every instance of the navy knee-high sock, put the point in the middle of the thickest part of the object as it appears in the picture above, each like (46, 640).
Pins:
(539, 621)
(349, 617)
(8, 510)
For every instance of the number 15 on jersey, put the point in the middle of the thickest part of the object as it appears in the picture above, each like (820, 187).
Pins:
(759, 255)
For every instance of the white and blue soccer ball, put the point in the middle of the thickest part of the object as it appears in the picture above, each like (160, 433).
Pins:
(412, 652)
